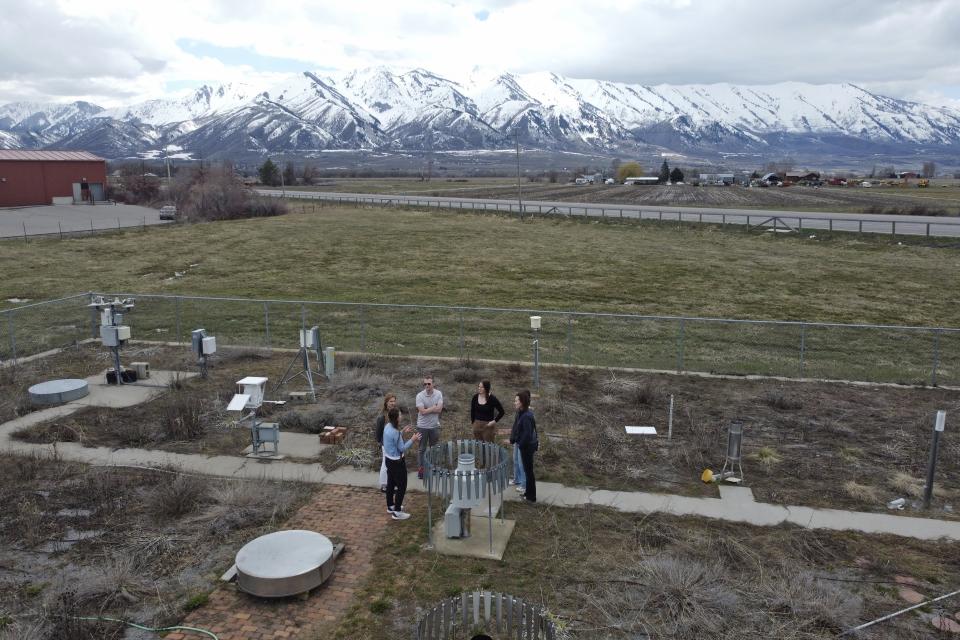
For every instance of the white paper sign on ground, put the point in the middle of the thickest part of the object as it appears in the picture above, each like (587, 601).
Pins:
(641, 431)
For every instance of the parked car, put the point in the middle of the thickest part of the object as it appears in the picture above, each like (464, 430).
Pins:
(168, 212)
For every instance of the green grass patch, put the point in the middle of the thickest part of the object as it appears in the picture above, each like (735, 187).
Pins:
(446, 258)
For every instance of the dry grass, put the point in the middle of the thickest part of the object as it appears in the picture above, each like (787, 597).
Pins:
(767, 456)
(906, 484)
(155, 540)
(862, 492)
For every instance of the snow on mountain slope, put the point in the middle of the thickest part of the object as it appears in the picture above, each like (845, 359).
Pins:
(204, 101)
(385, 108)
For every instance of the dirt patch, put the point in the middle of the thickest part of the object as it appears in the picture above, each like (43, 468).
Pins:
(123, 543)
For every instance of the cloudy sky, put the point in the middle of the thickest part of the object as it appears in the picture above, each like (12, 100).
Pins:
(120, 51)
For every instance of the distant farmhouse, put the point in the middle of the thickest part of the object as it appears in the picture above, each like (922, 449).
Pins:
(801, 177)
(642, 180)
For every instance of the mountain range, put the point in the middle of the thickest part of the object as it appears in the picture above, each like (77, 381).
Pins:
(382, 109)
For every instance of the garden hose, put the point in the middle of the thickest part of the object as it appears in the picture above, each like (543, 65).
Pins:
(210, 634)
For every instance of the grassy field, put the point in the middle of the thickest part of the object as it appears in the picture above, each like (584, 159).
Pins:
(415, 257)
(942, 198)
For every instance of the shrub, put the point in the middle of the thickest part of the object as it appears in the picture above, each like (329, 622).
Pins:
(196, 601)
(861, 492)
(182, 415)
(767, 456)
(179, 497)
(380, 605)
(777, 399)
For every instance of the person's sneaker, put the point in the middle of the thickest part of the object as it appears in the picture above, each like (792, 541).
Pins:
(521, 489)
(383, 488)
(511, 482)
(390, 509)
(399, 515)
(420, 473)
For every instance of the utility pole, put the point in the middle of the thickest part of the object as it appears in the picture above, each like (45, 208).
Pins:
(283, 189)
(516, 136)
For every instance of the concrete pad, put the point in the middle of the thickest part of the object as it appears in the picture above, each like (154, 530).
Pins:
(263, 457)
(478, 544)
(295, 445)
(736, 495)
(128, 395)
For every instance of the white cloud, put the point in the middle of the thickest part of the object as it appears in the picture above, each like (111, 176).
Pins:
(112, 51)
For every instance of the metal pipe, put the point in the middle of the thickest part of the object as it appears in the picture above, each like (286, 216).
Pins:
(897, 613)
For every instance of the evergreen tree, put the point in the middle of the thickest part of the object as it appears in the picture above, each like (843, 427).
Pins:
(269, 173)
(664, 172)
(676, 175)
(289, 176)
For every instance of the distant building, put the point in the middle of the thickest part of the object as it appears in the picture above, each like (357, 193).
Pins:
(907, 175)
(771, 178)
(802, 176)
(642, 180)
(590, 178)
(725, 179)
(30, 177)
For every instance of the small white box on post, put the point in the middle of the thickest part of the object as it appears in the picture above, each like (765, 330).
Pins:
(209, 345)
(253, 387)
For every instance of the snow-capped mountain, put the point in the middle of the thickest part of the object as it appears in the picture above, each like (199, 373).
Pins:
(384, 109)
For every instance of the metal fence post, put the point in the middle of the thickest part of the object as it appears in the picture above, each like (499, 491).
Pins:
(936, 357)
(363, 329)
(12, 327)
(680, 337)
(569, 339)
(93, 322)
(179, 341)
(461, 334)
(266, 323)
(803, 346)
(303, 317)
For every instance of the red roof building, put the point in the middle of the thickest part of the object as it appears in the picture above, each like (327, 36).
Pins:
(30, 177)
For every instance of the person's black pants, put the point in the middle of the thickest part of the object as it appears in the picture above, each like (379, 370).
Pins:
(396, 483)
(526, 458)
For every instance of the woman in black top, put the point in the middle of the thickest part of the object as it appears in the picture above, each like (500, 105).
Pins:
(524, 435)
(485, 412)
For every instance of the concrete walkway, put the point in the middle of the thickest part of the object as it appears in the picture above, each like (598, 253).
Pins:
(735, 504)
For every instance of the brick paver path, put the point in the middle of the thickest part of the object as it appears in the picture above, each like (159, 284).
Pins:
(357, 517)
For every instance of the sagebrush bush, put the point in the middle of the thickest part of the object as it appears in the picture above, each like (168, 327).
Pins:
(183, 495)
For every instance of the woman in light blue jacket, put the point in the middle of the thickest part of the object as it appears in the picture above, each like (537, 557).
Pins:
(394, 446)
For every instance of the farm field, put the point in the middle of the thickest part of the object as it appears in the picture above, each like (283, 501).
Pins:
(936, 200)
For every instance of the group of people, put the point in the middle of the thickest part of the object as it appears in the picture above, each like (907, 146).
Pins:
(485, 412)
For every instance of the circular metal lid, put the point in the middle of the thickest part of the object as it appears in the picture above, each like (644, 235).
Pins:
(57, 391)
(284, 554)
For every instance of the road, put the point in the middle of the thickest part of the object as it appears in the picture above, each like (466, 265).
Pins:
(73, 219)
(782, 221)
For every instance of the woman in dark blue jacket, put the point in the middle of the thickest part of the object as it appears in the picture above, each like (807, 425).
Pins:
(524, 435)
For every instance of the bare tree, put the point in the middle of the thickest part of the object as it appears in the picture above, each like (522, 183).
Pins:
(929, 169)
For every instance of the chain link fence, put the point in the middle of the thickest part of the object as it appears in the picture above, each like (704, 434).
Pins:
(869, 353)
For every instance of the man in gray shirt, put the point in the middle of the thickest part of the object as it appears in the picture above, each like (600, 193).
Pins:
(429, 406)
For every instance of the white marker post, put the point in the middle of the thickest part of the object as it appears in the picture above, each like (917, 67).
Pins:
(932, 466)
